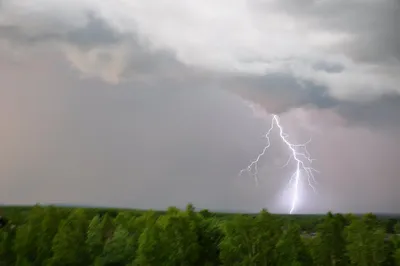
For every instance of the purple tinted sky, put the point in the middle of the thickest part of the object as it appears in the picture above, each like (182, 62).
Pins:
(142, 104)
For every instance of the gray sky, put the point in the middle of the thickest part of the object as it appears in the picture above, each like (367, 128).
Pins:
(146, 104)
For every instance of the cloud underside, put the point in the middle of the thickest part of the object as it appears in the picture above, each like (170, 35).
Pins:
(279, 54)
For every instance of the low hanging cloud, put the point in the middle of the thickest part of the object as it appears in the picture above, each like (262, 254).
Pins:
(280, 54)
(263, 37)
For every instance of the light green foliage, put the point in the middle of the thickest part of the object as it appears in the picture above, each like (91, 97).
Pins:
(94, 239)
(208, 235)
(69, 244)
(171, 240)
(100, 230)
(150, 250)
(136, 225)
(119, 249)
(365, 243)
(27, 238)
(123, 218)
(179, 238)
(237, 246)
(330, 244)
(250, 241)
(269, 230)
(291, 250)
(49, 227)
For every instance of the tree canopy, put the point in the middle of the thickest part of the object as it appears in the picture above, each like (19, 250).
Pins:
(60, 236)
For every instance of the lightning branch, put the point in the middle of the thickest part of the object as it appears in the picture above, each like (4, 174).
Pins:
(298, 154)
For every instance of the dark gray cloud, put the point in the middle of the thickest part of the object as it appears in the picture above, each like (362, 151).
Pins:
(380, 114)
(277, 92)
(95, 32)
(101, 112)
(136, 61)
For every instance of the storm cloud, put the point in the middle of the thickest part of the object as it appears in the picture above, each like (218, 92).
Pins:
(143, 103)
(316, 52)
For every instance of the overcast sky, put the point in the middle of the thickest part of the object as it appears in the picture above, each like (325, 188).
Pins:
(147, 104)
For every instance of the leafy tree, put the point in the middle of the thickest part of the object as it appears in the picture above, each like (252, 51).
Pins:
(371, 221)
(136, 224)
(179, 237)
(94, 238)
(169, 241)
(7, 238)
(206, 214)
(3, 222)
(268, 230)
(69, 244)
(27, 238)
(209, 237)
(123, 218)
(365, 244)
(349, 218)
(151, 250)
(119, 250)
(396, 228)
(396, 256)
(291, 250)
(65, 236)
(237, 246)
(100, 230)
(395, 241)
(49, 227)
(250, 241)
(390, 225)
(330, 244)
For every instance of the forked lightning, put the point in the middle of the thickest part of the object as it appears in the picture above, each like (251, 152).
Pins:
(298, 153)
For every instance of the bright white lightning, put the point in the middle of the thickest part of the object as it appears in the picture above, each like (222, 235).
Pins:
(298, 153)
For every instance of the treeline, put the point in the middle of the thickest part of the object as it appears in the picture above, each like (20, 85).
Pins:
(54, 236)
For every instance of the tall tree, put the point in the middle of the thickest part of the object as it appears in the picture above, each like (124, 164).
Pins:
(94, 238)
(237, 245)
(268, 230)
(250, 241)
(151, 249)
(100, 230)
(169, 241)
(120, 249)
(69, 244)
(209, 237)
(179, 237)
(330, 244)
(27, 237)
(7, 238)
(365, 244)
(49, 227)
(291, 250)
(395, 240)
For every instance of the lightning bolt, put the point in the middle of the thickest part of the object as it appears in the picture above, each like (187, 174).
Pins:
(298, 153)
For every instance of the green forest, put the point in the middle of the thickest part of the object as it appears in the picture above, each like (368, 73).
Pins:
(58, 236)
